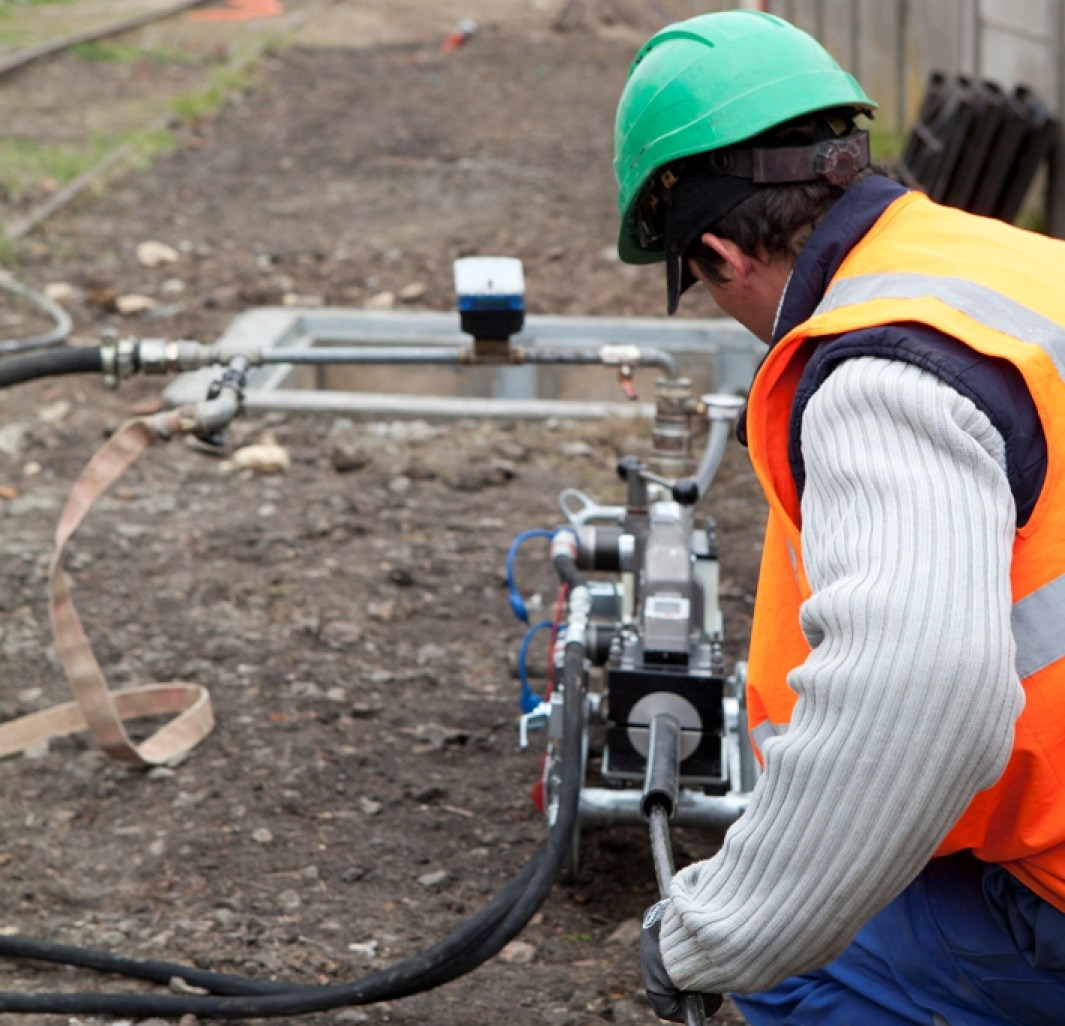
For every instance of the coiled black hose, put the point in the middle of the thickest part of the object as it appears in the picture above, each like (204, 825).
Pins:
(48, 363)
(473, 943)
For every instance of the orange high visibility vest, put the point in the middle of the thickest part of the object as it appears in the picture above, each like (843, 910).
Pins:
(1001, 291)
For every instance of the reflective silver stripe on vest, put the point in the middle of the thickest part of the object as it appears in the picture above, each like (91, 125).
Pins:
(1038, 619)
(984, 305)
(1039, 627)
(765, 730)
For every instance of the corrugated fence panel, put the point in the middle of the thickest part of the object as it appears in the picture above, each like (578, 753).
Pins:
(839, 31)
(891, 46)
(1014, 44)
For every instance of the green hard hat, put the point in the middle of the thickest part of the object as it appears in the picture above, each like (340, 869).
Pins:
(713, 81)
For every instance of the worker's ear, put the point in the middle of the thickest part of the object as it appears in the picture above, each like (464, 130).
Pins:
(737, 263)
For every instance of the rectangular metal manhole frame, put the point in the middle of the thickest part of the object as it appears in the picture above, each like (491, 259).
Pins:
(733, 353)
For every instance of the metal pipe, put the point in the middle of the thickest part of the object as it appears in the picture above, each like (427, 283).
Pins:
(378, 404)
(220, 411)
(441, 354)
(722, 411)
(601, 806)
(606, 356)
(364, 354)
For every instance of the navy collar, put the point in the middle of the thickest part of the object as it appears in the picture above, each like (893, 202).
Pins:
(846, 223)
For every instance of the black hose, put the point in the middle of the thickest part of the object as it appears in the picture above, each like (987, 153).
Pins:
(473, 943)
(660, 791)
(51, 362)
(568, 572)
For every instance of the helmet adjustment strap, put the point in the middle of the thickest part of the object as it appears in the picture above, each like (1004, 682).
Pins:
(836, 161)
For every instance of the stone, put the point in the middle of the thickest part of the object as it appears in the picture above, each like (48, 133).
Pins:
(133, 303)
(381, 301)
(433, 880)
(346, 456)
(264, 458)
(153, 253)
(517, 952)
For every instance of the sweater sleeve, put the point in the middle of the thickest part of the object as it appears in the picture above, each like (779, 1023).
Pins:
(906, 703)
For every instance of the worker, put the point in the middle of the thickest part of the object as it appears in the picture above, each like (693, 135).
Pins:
(902, 857)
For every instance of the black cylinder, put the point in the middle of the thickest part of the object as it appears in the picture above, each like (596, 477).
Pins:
(49, 363)
(661, 782)
(600, 548)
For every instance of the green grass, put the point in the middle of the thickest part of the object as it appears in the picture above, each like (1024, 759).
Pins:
(209, 98)
(105, 52)
(24, 163)
(886, 145)
(9, 6)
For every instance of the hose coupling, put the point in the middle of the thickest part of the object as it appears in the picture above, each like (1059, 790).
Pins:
(118, 358)
(223, 404)
(160, 356)
(722, 406)
(565, 543)
(579, 608)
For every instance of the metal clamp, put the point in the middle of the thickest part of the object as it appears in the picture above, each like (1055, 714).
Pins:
(117, 358)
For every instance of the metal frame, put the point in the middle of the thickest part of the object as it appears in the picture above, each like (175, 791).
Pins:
(732, 352)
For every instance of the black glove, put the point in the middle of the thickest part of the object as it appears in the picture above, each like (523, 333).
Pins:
(665, 999)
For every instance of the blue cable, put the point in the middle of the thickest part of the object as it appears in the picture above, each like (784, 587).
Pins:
(517, 604)
(529, 698)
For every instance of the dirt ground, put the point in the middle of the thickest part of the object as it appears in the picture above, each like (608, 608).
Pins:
(363, 790)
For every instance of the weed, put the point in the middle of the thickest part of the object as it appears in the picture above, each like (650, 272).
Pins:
(886, 144)
(7, 250)
(210, 97)
(125, 53)
(24, 163)
(8, 6)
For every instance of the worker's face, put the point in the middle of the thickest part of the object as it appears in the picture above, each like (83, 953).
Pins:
(751, 289)
(756, 314)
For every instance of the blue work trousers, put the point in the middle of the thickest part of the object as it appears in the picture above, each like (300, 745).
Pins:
(966, 944)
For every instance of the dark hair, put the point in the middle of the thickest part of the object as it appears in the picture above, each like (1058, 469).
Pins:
(778, 219)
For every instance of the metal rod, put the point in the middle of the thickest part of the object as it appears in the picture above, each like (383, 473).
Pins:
(363, 354)
(365, 404)
(646, 358)
(432, 352)
(713, 454)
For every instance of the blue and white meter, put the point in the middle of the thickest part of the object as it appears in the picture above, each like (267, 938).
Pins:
(491, 296)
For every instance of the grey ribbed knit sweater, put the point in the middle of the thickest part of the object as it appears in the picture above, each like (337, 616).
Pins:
(907, 701)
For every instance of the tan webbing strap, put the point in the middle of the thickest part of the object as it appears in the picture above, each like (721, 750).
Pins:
(96, 708)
